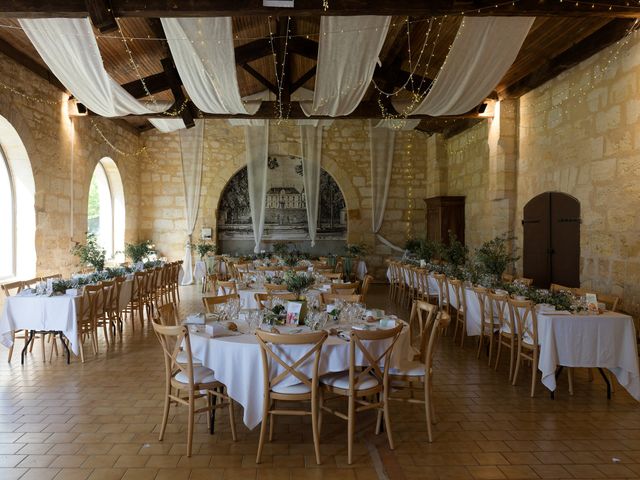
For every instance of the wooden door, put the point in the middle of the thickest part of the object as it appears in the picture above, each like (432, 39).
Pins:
(551, 244)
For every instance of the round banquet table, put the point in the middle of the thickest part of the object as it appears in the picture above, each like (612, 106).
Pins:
(248, 298)
(236, 361)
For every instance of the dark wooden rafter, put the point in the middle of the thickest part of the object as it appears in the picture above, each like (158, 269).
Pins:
(224, 8)
(101, 15)
(304, 78)
(269, 110)
(258, 76)
(588, 46)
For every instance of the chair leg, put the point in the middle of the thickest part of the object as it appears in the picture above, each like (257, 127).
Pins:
(515, 373)
(320, 404)
(481, 342)
(315, 428)
(13, 341)
(387, 418)
(463, 330)
(272, 422)
(491, 335)
(190, 424)
(350, 429)
(428, 407)
(263, 428)
(498, 356)
(165, 413)
(232, 420)
(570, 375)
(534, 375)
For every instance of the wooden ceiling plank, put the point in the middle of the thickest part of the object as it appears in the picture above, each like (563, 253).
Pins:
(585, 48)
(101, 16)
(198, 8)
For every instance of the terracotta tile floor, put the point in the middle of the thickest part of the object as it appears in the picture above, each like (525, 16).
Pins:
(99, 420)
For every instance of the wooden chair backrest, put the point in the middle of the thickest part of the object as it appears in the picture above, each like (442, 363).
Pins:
(115, 297)
(524, 312)
(168, 314)
(210, 303)
(555, 288)
(610, 301)
(525, 281)
(366, 283)
(422, 315)
(174, 339)
(227, 288)
(31, 283)
(376, 365)
(441, 322)
(481, 295)
(499, 308)
(333, 275)
(262, 299)
(139, 285)
(55, 276)
(272, 287)
(107, 294)
(328, 298)
(460, 294)
(345, 288)
(507, 277)
(267, 341)
(89, 304)
(443, 291)
(8, 288)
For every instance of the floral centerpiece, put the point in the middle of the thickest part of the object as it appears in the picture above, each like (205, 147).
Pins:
(494, 256)
(205, 248)
(298, 283)
(137, 252)
(275, 315)
(90, 253)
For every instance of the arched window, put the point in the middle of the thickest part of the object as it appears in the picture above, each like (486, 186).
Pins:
(17, 210)
(105, 213)
(7, 207)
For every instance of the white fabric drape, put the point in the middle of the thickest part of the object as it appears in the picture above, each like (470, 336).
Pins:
(481, 54)
(191, 151)
(398, 123)
(381, 142)
(311, 138)
(257, 151)
(168, 125)
(203, 52)
(347, 56)
(69, 48)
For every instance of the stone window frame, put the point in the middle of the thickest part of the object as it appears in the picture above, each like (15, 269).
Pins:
(4, 164)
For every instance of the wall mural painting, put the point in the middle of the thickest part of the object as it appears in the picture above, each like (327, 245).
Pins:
(286, 215)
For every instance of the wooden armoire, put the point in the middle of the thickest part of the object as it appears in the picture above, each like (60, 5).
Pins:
(444, 215)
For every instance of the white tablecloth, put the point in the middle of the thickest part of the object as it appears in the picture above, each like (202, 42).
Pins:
(605, 341)
(55, 313)
(361, 269)
(200, 271)
(238, 364)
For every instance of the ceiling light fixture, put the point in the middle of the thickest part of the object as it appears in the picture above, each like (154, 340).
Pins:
(278, 3)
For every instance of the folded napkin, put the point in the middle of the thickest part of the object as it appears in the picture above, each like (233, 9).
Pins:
(195, 319)
(217, 330)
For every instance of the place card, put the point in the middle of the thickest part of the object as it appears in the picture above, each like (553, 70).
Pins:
(293, 312)
(592, 302)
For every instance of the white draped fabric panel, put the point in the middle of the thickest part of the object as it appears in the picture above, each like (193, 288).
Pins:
(69, 48)
(257, 150)
(398, 123)
(168, 125)
(203, 52)
(311, 138)
(382, 142)
(481, 54)
(191, 150)
(347, 56)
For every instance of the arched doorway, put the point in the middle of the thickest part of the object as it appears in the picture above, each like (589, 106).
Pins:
(106, 211)
(17, 207)
(285, 215)
(551, 245)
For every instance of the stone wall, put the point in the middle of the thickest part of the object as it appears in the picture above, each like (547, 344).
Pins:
(62, 174)
(345, 155)
(578, 134)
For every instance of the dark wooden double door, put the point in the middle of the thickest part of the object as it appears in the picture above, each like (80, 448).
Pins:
(551, 244)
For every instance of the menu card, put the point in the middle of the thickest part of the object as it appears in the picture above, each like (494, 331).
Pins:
(592, 302)
(293, 312)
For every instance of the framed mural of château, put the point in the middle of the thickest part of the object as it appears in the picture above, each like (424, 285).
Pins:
(286, 214)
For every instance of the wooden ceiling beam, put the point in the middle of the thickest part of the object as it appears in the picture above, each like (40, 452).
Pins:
(258, 76)
(101, 15)
(180, 100)
(306, 76)
(585, 48)
(252, 51)
(224, 8)
(269, 110)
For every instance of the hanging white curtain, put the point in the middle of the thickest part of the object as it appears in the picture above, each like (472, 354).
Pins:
(398, 123)
(481, 54)
(382, 143)
(257, 151)
(311, 138)
(191, 151)
(69, 48)
(203, 52)
(347, 57)
(168, 125)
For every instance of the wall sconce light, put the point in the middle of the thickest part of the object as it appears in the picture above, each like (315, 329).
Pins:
(77, 109)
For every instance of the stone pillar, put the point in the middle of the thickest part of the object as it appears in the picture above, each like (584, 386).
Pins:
(503, 163)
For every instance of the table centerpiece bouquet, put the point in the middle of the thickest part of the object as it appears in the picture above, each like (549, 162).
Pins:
(299, 283)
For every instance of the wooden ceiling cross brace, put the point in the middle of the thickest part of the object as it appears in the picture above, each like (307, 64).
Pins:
(101, 15)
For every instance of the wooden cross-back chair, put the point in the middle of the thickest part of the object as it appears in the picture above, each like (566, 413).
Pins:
(487, 323)
(9, 289)
(333, 275)
(210, 303)
(366, 283)
(556, 287)
(329, 298)
(115, 313)
(305, 389)
(366, 387)
(263, 299)
(431, 322)
(167, 315)
(348, 288)
(227, 288)
(525, 281)
(188, 378)
(443, 291)
(461, 310)
(507, 336)
(54, 276)
(273, 287)
(102, 313)
(136, 304)
(87, 313)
